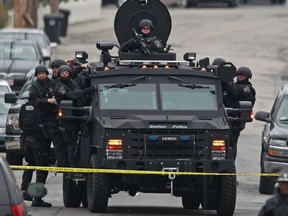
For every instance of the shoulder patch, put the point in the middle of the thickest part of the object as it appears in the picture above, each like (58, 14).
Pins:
(247, 89)
(62, 90)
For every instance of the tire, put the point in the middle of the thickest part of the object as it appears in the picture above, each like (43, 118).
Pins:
(191, 201)
(266, 185)
(13, 158)
(97, 189)
(71, 196)
(227, 194)
(120, 2)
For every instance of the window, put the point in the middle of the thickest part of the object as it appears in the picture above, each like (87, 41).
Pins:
(128, 97)
(188, 97)
(282, 114)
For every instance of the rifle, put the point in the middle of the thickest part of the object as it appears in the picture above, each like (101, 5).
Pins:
(142, 42)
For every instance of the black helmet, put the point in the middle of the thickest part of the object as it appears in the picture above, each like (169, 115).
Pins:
(41, 68)
(145, 22)
(283, 176)
(57, 63)
(218, 61)
(63, 68)
(244, 71)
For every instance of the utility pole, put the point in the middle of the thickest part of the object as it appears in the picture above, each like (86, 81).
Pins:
(19, 13)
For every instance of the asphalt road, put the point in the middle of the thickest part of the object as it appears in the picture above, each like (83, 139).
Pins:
(253, 35)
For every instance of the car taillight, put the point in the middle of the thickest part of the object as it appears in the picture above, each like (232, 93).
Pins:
(13, 120)
(18, 210)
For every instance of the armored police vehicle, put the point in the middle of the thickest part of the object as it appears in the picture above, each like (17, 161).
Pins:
(151, 112)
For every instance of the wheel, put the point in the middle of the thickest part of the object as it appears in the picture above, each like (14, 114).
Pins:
(120, 2)
(97, 189)
(13, 158)
(191, 201)
(266, 185)
(227, 194)
(71, 196)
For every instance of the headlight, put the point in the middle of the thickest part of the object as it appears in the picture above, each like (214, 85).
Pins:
(2, 130)
(277, 142)
(13, 120)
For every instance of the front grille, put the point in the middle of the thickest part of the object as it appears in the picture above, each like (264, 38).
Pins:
(140, 147)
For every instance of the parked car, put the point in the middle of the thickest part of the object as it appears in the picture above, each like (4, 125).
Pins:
(4, 88)
(11, 201)
(38, 35)
(274, 152)
(17, 57)
(14, 153)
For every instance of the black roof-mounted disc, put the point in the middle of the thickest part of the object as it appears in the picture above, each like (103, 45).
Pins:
(131, 12)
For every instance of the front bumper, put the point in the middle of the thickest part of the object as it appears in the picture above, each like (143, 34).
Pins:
(274, 164)
(180, 165)
(12, 143)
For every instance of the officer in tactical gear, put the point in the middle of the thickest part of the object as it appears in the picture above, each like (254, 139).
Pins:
(143, 41)
(67, 89)
(241, 90)
(278, 204)
(35, 143)
(55, 65)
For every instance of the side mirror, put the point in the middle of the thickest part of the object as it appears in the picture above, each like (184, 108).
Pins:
(37, 190)
(10, 98)
(263, 116)
(46, 58)
(241, 114)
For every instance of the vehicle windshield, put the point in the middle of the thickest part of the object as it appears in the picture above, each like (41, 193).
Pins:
(29, 36)
(187, 97)
(24, 94)
(17, 51)
(4, 89)
(282, 114)
(144, 97)
(128, 97)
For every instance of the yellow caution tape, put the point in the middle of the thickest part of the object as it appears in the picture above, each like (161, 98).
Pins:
(138, 172)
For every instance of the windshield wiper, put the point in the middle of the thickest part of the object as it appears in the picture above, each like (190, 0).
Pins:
(188, 85)
(193, 86)
(123, 84)
(24, 97)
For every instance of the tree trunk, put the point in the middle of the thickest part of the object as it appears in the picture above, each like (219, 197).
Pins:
(19, 13)
(32, 13)
(54, 5)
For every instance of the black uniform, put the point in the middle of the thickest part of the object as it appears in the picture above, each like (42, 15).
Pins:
(240, 91)
(275, 206)
(153, 44)
(39, 93)
(67, 89)
(35, 146)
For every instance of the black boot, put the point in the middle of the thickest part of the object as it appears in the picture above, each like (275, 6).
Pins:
(38, 202)
(26, 196)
